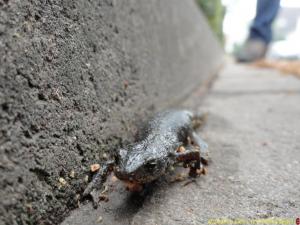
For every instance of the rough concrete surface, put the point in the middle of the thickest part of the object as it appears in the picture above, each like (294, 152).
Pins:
(76, 77)
(253, 130)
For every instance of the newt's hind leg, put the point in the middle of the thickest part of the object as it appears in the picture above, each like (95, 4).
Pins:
(191, 156)
(203, 146)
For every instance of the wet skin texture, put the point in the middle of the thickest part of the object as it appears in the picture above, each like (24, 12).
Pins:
(158, 148)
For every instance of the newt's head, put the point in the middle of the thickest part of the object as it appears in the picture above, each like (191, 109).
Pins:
(139, 166)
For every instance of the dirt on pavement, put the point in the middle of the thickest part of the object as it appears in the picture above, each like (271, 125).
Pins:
(253, 131)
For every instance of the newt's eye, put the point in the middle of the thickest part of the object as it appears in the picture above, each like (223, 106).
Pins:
(150, 166)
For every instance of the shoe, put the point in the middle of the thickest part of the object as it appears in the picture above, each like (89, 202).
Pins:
(253, 49)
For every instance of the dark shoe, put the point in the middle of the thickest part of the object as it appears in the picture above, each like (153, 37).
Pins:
(253, 49)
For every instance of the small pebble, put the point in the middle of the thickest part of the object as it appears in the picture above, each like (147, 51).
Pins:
(181, 149)
(180, 177)
(95, 167)
(99, 220)
(126, 84)
(105, 156)
(114, 179)
(72, 174)
(29, 208)
(171, 168)
(62, 181)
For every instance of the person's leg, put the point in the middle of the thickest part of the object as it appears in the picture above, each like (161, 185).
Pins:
(266, 11)
(260, 32)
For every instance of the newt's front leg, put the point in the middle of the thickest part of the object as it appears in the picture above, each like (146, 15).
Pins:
(97, 181)
(191, 155)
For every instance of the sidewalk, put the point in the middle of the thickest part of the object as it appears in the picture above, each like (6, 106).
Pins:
(253, 130)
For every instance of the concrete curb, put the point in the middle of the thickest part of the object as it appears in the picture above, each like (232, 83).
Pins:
(76, 78)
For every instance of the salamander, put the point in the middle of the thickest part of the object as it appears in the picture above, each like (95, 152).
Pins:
(168, 138)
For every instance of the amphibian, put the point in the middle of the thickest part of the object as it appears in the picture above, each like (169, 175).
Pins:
(160, 147)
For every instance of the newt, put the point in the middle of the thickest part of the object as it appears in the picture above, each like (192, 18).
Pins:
(170, 137)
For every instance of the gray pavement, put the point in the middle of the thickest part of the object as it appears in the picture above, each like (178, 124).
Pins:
(253, 130)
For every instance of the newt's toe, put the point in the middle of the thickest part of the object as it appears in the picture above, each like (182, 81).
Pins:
(133, 186)
(201, 171)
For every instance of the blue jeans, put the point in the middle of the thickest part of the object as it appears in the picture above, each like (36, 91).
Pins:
(266, 11)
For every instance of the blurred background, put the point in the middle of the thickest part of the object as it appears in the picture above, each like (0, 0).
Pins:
(231, 19)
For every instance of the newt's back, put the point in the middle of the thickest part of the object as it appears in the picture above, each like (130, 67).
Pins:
(170, 121)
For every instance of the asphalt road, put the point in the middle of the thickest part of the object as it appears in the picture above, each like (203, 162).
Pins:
(253, 130)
